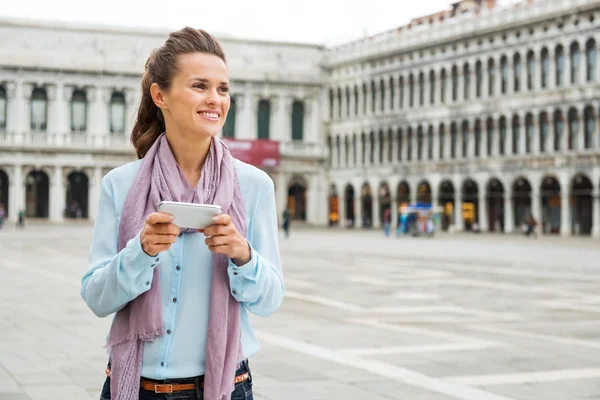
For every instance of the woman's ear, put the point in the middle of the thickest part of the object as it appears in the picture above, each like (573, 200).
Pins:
(158, 96)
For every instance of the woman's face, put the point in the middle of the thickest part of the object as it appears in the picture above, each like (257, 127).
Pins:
(198, 99)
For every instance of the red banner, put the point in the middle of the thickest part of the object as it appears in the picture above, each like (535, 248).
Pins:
(261, 153)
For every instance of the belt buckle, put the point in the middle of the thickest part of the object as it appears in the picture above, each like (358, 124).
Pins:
(163, 389)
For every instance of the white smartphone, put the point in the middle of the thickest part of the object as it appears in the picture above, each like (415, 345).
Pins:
(190, 215)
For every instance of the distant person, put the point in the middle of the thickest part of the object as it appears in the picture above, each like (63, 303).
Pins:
(182, 296)
(387, 221)
(531, 224)
(286, 222)
(21, 219)
(2, 215)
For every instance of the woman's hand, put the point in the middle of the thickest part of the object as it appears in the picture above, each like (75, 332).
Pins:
(159, 233)
(224, 238)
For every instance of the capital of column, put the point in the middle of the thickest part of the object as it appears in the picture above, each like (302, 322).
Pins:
(11, 89)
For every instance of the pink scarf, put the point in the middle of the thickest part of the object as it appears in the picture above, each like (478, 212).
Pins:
(160, 178)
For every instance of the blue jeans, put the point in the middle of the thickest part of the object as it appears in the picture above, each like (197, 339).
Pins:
(243, 391)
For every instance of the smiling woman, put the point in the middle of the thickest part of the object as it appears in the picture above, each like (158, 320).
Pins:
(195, 339)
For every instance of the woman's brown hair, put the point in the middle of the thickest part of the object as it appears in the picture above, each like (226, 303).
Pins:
(160, 68)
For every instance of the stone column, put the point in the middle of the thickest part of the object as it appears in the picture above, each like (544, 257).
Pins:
(352, 104)
(551, 83)
(95, 185)
(375, 211)
(426, 94)
(406, 90)
(536, 203)
(508, 143)
(482, 209)
(473, 79)
(57, 195)
(12, 111)
(16, 193)
(358, 219)
(335, 106)
(565, 210)
(388, 95)
(59, 98)
(522, 133)
(397, 94)
(316, 212)
(537, 71)
(537, 134)
(580, 134)
(471, 139)
(447, 143)
(313, 118)
(567, 70)
(497, 77)
(485, 81)
(369, 100)
(251, 117)
(283, 119)
(551, 132)
(22, 107)
(361, 100)
(342, 204)
(281, 191)
(344, 105)
(564, 146)
(508, 212)
(436, 142)
(458, 217)
(133, 98)
(596, 213)
(98, 98)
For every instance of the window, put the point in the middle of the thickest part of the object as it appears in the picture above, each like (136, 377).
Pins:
(78, 111)
(504, 72)
(517, 72)
(430, 143)
(559, 127)
(392, 94)
(421, 89)
(39, 110)
(453, 140)
(409, 144)
(530, 70)
(264, 118)
(443, 84)
(454, 83)
(477, 138)
(373, 97)
(478, 79)
(339, 104)
(354, 150)
(117, 112)
(590, 127)
(381, 147)
(298, 120)
(502, 138)
(338, 151)
(467, 81)
(465, 139)
(390, 146)
(442, 136)
(400, 144)
(364, 110)
(573, 128)
(544, 132)
(590, 60)
(560, 65)
(490, 136)
(545, 67)
(347, 110)
(331, 111)
(3, 108)
(355, 101)
(491, 76)
(401, 92)
(420, 143)
(347, 150)
(382, 96)
(411, 91)
(372, 148)
(575, 60)
(529, 133)
(363, 142)
(432, 87)
(516, 126)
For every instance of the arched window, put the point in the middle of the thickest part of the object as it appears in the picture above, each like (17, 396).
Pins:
(39, 110)
(401, 91)
(545, 67)
(477, 138)
(355, 101)
(347, 110)
(390, 143)
(354, 150)
(560, 65)
(338, 150)
(453, 140)
(491, 76)
(331, 104)
(530, 70)
(117, 112)
(529, 133)
(78, 111)
(421, 89)
(432, 87)
(430, 143)
(517, 72)
(411, 91)
(590, 127)
(443, 86)
(392, 94)
(330, 150)
(365, 94)
(575, 61)
(467, 81)
(420, 142)
(544, 132)
(373, 97)
(298, 120)
(372, 148)
(347, 150)
(409, 144)
(400, 137)
(559, 128)
(516, 134)
(465, 139)
(590, 60)
(382, 96)
(454, 83)
(3, 108)
(381, 147)
(264, 118)
(502, 137)
(490, 136)
(363, 155)
(504, 72)
(442, 136)
(478, 79)
(339, 104)
(573, 128)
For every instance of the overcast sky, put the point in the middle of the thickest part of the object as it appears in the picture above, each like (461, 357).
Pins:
(312, 21)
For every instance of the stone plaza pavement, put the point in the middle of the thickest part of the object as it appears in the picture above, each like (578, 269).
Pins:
(365, 317)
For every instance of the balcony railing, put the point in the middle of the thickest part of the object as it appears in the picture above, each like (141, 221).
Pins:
(63, 141)
(302, 150)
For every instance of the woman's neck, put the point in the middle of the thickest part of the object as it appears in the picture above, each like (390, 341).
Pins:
(190, 154)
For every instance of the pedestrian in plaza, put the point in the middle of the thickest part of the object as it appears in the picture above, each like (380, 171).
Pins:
(387, 221)
(286, 222)
(182, 297)
(2, 215)
(21, 219)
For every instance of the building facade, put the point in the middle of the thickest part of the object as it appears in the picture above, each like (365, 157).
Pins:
(69, 95)
(483, 108)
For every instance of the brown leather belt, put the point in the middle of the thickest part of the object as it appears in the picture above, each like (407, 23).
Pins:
(174, 387)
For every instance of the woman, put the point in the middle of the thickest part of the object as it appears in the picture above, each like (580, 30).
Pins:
(182, 297)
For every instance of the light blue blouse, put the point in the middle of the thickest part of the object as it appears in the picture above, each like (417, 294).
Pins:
(115, 278)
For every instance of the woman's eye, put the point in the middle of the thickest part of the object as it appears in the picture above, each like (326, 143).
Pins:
(199, 86)
(224, 89)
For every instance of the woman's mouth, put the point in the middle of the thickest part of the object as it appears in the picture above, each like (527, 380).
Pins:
(209, 115)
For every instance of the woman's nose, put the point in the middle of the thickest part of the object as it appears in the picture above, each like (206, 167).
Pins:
(212, 97)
